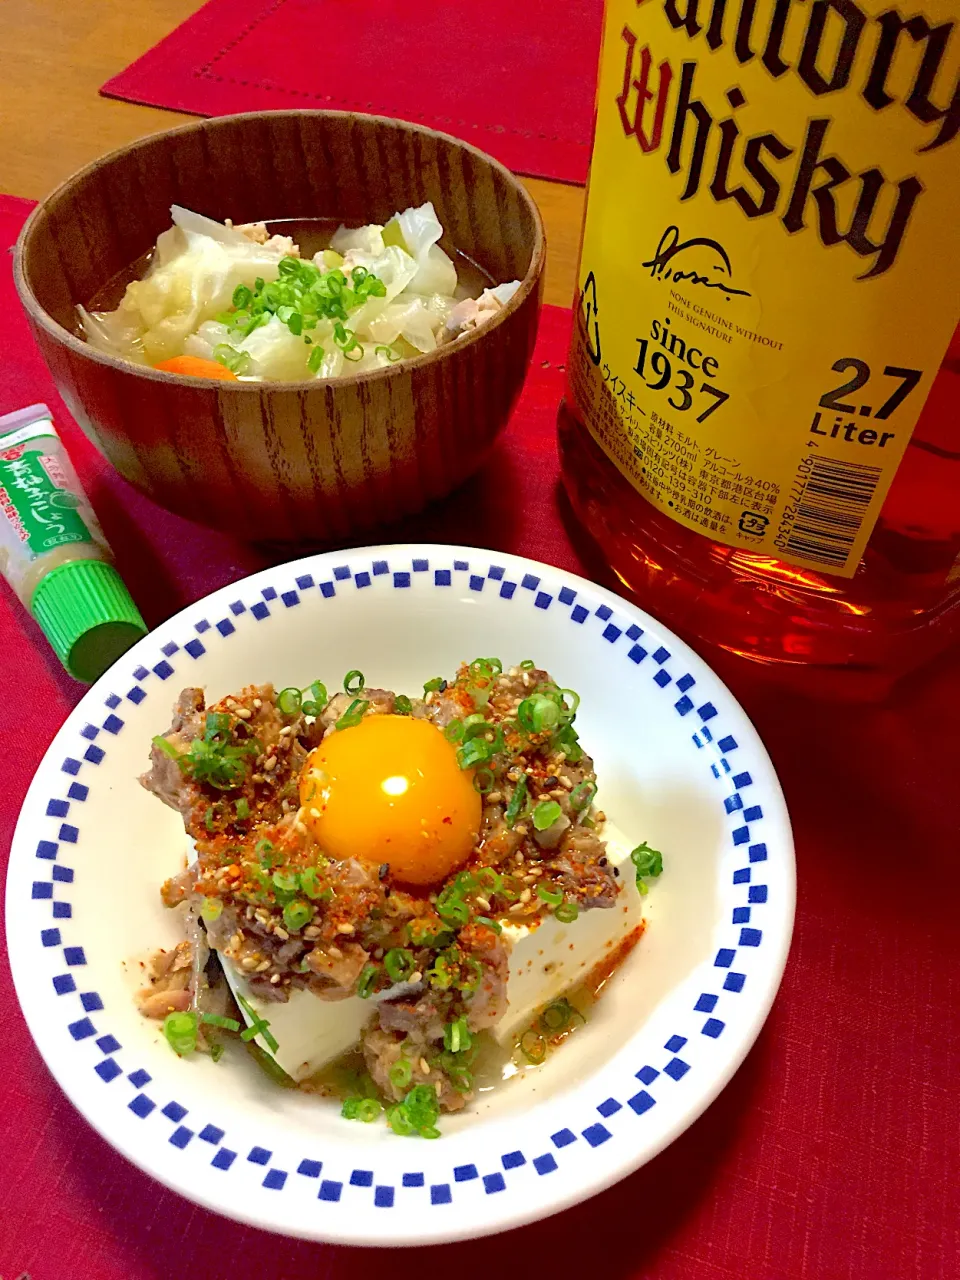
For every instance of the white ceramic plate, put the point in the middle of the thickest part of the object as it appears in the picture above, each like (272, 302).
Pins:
(679, 765)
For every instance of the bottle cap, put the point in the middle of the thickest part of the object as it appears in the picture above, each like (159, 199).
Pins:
(88, 615)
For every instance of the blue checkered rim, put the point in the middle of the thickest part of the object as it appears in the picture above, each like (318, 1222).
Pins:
(626, 642)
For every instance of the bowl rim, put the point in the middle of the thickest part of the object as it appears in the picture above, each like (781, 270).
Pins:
(63, 337)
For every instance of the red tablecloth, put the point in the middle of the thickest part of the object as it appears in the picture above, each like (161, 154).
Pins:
(520, 84)
(835, 1152)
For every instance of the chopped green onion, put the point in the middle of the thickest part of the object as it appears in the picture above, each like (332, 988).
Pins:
(400, 1073)
(243, 808)
(289, 701)
(453, 732)
(474, 725)
(353, 714)
(567, 695)
(265, 851)
(353, 682)
(232, 359)
(166, 746)
(582, 795)
(567, 912)
(552, 897)
(527, 664)
(476, 751)
(399, 963)
(180, 1030)
(315, 359)
(456, 1036)
(421, 1106)
(391, 355)
(648, 862)
(368, 1110)
(451, 907)
(218, 1020)
(296, 915)
(490, 924)
(436, 685)
(488, 880)
(546, 814)
(311, 708)
(486, 667)
(286, 881)
(565, 739)
(557, 1016)
(517, 802)
(483, 781)
(400, 1122)
(429, 1131)
(310, 883)
(242, 296)
(211, 909)
(538, 713)
(533, 1046)
(216, 1051)
(367, 981)
(208, 818)
(258, 1026)
(402, 705)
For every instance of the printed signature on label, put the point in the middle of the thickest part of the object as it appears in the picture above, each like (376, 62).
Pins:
(671, 246)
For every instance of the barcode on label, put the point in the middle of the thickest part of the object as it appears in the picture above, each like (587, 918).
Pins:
(830, 509)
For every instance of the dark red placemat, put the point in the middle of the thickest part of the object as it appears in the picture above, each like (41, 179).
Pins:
(835, 1152)
(516, 80)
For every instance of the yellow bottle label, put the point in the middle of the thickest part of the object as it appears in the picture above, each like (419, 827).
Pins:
(770, 272)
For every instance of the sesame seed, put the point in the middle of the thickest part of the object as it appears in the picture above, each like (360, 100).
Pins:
(527, 679)
(494, 797)
(248, 963)
(301, 827)
(311, 931)
(483, 903)
(276, 978)
(526, 895)
(281, 933)
(263, 966)
(529, 879)
(335, 952)
(425, 1067)
(438, 1086)
(567, 784)
(416, 976)
(314, 813)
(244, 713)
(345, 928)
(257, 703)
(270, 764)
(287, 728)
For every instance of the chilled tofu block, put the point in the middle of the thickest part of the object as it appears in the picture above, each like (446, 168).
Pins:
(545, 962)
(310, 1032)
(551, 958)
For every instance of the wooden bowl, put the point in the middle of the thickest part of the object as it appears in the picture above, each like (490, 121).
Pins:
(287, 462)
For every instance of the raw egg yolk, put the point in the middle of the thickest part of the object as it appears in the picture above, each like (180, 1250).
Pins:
(390, 790)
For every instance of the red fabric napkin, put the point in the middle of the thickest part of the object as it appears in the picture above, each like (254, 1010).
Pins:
(516, 80)
(834, 1154)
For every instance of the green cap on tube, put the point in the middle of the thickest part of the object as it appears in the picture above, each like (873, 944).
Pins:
(88, 615)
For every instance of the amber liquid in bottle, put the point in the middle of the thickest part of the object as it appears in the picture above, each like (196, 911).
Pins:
(900, 609)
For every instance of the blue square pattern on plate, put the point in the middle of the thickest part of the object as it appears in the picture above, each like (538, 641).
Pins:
(617, 1112)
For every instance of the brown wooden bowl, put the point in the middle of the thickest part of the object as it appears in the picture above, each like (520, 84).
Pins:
(286, 462)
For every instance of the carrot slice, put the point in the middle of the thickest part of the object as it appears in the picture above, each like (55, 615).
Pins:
(194, 367)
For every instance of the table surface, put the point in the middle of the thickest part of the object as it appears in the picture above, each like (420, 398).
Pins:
(834, 1153)
(55, 56)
